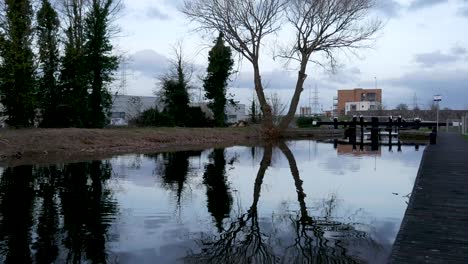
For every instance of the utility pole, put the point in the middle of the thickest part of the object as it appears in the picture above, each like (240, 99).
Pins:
(437, 99)
(123, 77)
(316, 104)
(415, 102)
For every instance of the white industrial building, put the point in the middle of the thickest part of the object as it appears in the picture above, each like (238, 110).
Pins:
(126, 107)
(234, 113)
(362, 106)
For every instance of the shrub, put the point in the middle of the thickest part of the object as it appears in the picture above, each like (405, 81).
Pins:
(306, 122)
(196, 118)
(152, 117)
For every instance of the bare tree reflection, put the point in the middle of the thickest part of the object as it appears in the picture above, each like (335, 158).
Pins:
(322, 240)
(315, 239)
(242, 241)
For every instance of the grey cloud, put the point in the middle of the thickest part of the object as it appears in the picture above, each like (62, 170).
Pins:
(278, 79)
(463, 11)
(458, 50)
(271, 80)
(155, 13)
(389, 8)
(345, 75)
(452, 84)
(420, 4)
(148, 62)
(435, 58)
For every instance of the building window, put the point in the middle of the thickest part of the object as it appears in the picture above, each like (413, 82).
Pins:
(232, 116)
(118, 115)
(353, 107)
(372, 107)
(371, 97)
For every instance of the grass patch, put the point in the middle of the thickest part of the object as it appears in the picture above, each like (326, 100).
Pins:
(466, 137)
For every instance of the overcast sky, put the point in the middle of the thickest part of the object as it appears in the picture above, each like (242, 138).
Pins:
(422, 51)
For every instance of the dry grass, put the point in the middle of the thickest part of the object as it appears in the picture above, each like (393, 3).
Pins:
(57, 145)
(46, 146)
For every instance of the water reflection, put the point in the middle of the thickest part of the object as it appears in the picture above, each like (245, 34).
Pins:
(56, 214)
(234, 208)
(219, 198)
(317, 240)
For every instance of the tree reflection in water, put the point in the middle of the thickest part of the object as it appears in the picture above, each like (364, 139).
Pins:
(31, 200)
(16, 212)
(316, 239)
(219, 199)
(174, 168)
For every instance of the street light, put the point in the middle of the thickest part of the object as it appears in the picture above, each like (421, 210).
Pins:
(437, 99)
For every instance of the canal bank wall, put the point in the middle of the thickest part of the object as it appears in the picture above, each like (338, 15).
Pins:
(435, 225)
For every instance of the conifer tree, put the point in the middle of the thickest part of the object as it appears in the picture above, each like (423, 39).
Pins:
(100, 60)
(49, 95)
(73, 72)
(219, 68)
(174, 90)
(17, 82)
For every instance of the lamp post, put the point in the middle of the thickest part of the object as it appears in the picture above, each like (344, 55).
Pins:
(437, 99)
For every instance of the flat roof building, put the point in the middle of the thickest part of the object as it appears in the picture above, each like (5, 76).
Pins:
(358, 99)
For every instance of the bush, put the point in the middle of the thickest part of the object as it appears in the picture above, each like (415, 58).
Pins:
(152, 117)
(306, 122)
(196, 118)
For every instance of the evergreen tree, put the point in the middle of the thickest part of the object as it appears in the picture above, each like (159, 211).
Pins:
(73, 72)
(17, 83)
(100, 60)
(175, 91)
(49, 94)
(219, 68)
(176, 99)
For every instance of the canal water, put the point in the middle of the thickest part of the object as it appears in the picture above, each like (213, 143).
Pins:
(297, 202)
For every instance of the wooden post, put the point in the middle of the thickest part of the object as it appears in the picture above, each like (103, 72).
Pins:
(361, 121)
(375, 134)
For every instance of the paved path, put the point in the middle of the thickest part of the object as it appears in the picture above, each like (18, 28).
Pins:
(435, 226)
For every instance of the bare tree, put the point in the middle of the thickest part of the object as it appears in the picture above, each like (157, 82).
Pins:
(278, 108)
(325, 26)
(244, 24)
(321, 26)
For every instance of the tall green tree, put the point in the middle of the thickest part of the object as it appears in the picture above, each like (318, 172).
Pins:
(49, 94)
(17, 82)
(73, 71)
(219, 68)
(100, 60)
(174, 90)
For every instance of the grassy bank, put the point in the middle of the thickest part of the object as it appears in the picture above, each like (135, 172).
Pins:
(29, 146)
(64, 145)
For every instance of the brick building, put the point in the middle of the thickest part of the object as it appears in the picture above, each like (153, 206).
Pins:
(358, 100)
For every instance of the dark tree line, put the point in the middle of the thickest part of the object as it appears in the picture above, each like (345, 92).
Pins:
(53, 88)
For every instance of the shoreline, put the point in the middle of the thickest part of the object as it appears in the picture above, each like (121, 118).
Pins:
(56, 146)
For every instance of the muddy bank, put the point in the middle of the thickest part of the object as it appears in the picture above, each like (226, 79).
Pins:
(42, 146)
